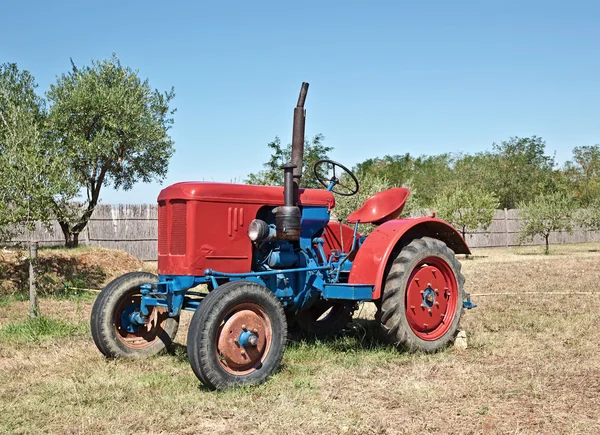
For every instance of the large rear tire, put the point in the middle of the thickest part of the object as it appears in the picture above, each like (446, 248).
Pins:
(112, 331)
(237, 336)
(423, 294)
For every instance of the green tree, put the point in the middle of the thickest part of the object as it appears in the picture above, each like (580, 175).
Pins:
(544, 214)
(466, 209)
(272, 175)
(115, 130)
(32, 172)
(584, 173)
(520, 170)
(589, 217)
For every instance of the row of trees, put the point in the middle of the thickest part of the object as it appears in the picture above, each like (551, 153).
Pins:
(98, 125)
(466, 189)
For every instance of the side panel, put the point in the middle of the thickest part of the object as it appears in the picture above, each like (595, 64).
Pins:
(370, 262)
(207, 236)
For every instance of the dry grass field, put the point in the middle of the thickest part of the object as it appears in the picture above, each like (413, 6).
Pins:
(532, 366)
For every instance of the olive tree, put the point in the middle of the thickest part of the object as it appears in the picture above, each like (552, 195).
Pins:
(32, 172)
(272, 174)
(467, 208)
(114, 130)
(544, 214)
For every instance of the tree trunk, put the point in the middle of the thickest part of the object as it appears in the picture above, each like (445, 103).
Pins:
(547, 245)
(71, 238)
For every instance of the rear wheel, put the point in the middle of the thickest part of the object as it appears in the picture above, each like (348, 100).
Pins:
(237, 335)
(422, 300)
(112, 330)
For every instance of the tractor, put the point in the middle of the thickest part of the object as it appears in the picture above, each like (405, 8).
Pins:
(269, 256)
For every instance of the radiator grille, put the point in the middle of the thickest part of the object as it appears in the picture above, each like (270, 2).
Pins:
(178, 227)
(162, 228)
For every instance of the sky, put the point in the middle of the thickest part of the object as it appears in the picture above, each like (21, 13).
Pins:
(386, 77)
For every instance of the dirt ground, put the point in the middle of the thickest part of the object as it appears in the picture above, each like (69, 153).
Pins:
(532, 366)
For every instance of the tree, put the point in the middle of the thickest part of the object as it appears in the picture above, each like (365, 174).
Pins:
(114, 129)
(272, 175)
(519, 170)
(544, 214)
(32, 172)
(589, 217)
(467, 209)
(584, 172)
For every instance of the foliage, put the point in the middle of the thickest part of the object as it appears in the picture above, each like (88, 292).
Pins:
(370, 184)
(114, 129)
(32, 172)
(272, 175)
(584, 173)
(589, 217)
(426, 174)
(544, 214)
(467, 209)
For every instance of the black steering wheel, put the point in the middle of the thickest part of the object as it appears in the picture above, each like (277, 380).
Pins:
(326, 167)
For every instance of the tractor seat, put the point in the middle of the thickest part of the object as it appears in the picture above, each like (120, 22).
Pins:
(381, 207)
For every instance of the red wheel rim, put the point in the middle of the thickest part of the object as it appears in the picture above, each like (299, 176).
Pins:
(233, 357)
(431, 298)
(145, 335)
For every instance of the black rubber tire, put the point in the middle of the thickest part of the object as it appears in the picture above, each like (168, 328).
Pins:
(392, 308)
(104, 318)
(202, 334)
(310, 323)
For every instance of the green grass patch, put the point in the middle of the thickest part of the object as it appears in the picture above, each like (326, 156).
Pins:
(39, 329)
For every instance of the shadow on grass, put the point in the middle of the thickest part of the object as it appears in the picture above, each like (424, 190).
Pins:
(361, 335)
(54, 275)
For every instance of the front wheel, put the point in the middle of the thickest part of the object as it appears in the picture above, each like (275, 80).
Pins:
(237, 335)
(422, 300)
(112, 330)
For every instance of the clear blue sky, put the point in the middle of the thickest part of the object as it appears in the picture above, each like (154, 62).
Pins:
(423, 77)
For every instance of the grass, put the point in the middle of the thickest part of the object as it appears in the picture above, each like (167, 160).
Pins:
(532, 366)
(38, 329)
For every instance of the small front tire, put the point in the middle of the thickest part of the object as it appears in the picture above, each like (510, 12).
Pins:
(114, 336)
(237, 336)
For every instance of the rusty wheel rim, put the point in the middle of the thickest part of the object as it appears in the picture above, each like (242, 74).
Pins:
(431, 298)
(138, 336)
(233, 356)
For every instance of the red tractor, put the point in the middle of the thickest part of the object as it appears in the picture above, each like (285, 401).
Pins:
(269, 255)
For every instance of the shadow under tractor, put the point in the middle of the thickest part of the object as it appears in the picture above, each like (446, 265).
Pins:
(271, 255)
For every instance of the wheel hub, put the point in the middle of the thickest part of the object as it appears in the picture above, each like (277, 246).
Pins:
(243, 339)
(431, 298)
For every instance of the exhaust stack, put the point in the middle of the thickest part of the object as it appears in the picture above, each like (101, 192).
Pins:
(287, 219)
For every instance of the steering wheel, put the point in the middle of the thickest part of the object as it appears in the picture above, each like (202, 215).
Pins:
(326, 166)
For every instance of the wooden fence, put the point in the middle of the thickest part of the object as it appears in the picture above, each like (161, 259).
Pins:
(134, 229)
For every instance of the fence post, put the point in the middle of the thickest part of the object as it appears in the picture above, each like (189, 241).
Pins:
(34, 309)
(506, 226)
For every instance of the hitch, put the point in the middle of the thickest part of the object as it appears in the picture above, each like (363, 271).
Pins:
(468, 304)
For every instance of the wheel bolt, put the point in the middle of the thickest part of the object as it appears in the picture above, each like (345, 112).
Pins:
(244, 327)
(255, 330)
(429, 311)
(425, 325)
(422, 292)
(428, 284)
(437, 304)
(412, 307)
(423, 306)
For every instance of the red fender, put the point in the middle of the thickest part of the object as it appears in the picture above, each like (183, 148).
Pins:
(369, 265)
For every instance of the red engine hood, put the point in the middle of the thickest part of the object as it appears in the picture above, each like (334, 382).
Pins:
(241, 193)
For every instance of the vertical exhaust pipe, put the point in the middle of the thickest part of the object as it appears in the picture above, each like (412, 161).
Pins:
(287, 218)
